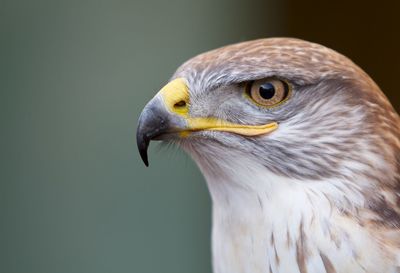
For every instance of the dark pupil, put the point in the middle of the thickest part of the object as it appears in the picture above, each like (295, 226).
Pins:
(267, 91)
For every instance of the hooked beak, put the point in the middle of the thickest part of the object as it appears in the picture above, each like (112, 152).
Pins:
(168, 113)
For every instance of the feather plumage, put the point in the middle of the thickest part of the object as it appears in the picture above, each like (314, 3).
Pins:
(319, 194)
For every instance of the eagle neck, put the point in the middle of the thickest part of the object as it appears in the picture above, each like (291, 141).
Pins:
(264, 222)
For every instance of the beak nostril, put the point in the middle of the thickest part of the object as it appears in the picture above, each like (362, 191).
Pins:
(180, 104)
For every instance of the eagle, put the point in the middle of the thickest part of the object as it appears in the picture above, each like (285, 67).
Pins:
(300, 151)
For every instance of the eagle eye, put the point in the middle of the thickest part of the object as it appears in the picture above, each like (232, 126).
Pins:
(268, 92)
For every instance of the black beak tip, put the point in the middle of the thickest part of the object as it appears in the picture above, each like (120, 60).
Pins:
(143, 155)
(151, 123)
(143, 144)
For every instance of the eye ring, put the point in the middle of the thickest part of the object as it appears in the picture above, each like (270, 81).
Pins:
(269, 92)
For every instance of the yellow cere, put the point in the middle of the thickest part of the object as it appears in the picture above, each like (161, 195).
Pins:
(174, 92)
(176, 99)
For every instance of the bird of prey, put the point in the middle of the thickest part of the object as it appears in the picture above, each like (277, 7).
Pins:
(300, 151)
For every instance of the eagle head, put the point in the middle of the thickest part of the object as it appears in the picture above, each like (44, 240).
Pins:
(283, 125)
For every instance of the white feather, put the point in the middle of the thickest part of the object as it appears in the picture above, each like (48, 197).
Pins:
(251, 204)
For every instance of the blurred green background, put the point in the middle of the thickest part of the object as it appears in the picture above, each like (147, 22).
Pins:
(74, 194)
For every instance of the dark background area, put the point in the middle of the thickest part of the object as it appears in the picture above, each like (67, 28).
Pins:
(74, 76)
(366, 31)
